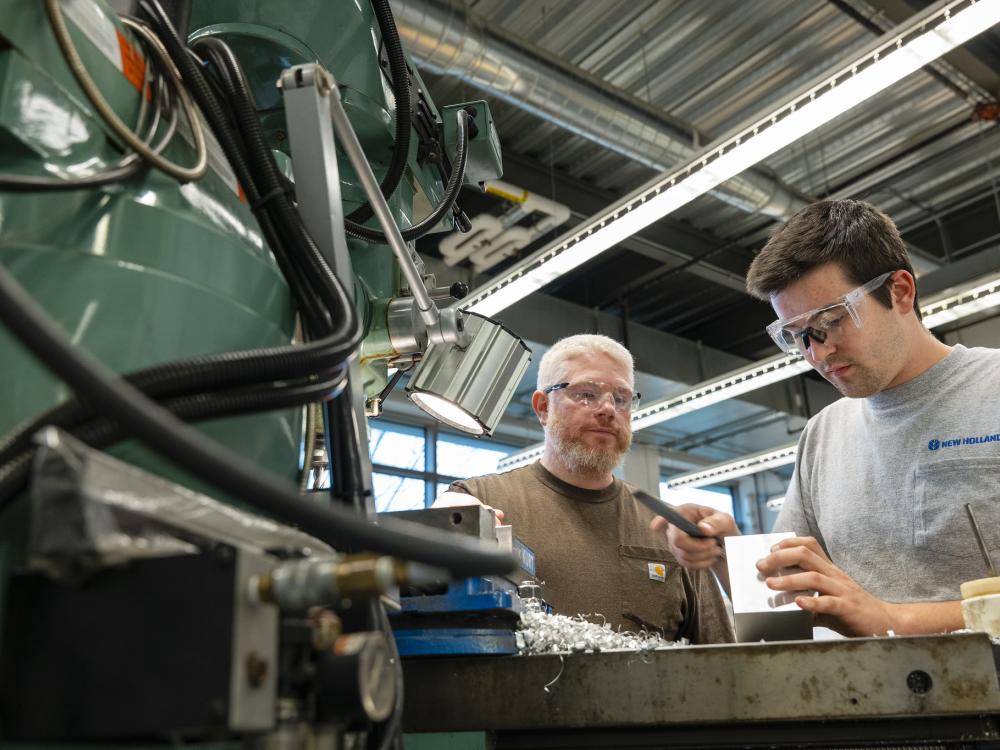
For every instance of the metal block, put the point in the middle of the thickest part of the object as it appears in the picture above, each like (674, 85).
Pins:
(468, 595)
(455, 641)
(253, 679)
(162, 647)
(857, 679)
(472, 520)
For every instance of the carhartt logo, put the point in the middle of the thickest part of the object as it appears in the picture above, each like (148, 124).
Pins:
(657, 571)
(935, 444)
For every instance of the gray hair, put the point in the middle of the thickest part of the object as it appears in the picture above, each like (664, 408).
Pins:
(552, 369)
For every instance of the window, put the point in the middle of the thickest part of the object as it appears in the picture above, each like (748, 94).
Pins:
(397, 445)
(464, 457)
(413, 465)
(397, 493)
(717, 499)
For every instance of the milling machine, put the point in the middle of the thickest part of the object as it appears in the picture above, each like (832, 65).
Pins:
(217, 202)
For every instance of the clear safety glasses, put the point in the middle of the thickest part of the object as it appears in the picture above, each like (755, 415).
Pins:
(824, 323)
(591, 394)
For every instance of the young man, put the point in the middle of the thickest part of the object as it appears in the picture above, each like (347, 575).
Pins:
(594, 549)
(883, 475)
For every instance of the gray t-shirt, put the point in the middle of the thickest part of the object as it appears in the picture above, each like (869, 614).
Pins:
(882, 482)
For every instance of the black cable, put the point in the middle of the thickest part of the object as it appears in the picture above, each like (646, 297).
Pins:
(208, 373)
(266, 172)
(401, 93)
(103, 432)
(453, 188)
(193, 452)
(318, 319)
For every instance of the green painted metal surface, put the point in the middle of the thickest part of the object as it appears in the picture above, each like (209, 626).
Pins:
(484, 162)
(268, 37)
(142, 272)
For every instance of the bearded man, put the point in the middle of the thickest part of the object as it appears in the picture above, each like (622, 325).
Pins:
(594, 549)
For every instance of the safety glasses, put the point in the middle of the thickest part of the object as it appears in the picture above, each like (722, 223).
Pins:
(824, 324)
(590, 394)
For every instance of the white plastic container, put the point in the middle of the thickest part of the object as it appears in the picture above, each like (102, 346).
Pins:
(981, 605)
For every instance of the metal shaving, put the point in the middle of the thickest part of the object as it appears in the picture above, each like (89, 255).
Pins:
(543, 633)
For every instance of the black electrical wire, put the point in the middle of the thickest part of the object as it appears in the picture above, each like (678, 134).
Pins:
(318, 319)
(261, 159)
(103, 432)
(208, 373)
(451, 192)
(193, 452)
(401, 93)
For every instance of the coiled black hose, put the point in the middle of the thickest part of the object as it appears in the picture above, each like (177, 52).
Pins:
(451, 192)
(306, 288)
(401, 92)
(193, 452)
(264, 169)
(102, 432)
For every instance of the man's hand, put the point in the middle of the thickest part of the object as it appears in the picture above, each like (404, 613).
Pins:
(458, 499)
(691, 552)
(842, 604)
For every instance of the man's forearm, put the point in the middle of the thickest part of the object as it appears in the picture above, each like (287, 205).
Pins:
(916, 618)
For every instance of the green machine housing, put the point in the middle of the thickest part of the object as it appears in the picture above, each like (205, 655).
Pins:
(147, 270)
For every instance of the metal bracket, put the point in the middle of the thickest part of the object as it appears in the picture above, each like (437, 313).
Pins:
(306, 90)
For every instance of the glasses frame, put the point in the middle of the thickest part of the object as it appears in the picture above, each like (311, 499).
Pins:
(849, 301)
(629, 408)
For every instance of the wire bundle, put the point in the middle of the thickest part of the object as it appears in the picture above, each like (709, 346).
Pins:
(239, 382)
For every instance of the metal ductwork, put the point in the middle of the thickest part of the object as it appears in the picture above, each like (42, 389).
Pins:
(447, 41)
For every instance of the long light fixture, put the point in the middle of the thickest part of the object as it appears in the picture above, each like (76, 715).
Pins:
(961, 304)
(732, 384)
(521, 458)
(769, 459)
(894, 56)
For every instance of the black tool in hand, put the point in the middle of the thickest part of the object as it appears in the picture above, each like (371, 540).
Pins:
(667, 511)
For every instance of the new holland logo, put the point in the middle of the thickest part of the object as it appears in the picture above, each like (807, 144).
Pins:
(936, 444)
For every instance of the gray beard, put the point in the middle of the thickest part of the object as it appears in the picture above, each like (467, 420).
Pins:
(583, 460)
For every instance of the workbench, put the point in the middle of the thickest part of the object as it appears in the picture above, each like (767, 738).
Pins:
(922, 691)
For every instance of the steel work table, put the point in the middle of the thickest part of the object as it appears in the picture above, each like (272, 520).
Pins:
(937, 691)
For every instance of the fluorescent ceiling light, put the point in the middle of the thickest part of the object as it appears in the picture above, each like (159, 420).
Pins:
(521, 458)
(769, 459)
(896, 55)
(962, 304)
(730, 385)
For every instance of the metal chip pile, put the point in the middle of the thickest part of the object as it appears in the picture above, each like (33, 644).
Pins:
(543, 633)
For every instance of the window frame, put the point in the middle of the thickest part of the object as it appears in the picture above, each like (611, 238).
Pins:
(431, 478)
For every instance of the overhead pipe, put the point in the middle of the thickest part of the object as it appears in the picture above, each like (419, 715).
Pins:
(445, 40)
